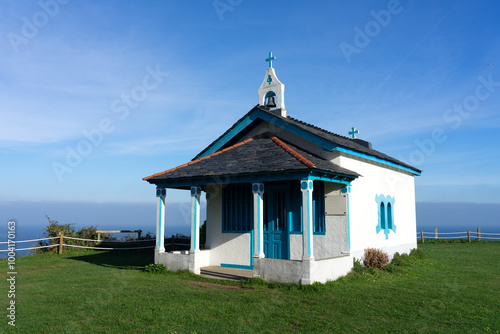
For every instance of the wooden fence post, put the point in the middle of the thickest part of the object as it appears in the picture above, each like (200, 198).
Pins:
(173, 240)
(60, 243)
(435, 232)
(422, 236)
(478, 233)
(468, 235)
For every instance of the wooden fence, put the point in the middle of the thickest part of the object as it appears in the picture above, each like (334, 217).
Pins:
(173, 243)
(458, 235)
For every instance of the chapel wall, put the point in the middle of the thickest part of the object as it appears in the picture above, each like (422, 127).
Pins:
(363, 208)
(229, 248)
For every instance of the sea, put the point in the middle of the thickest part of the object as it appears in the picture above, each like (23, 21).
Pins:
(32, 217)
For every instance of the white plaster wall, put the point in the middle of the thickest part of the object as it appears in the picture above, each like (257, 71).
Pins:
(334, 242)
(330, 269)
(363, 210)
(283, 271)
(296, 248)
(203, 257)
(231, 248)
(183, 260)
(305, 272)
(174, 261)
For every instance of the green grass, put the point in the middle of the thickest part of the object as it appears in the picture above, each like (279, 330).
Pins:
(454, 289)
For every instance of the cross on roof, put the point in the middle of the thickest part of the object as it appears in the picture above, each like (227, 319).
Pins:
(353, 132)
(270, 59)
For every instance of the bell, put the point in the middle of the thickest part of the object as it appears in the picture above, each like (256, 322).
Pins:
(271, 102)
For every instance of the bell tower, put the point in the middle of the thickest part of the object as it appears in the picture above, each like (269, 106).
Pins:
(271, 92)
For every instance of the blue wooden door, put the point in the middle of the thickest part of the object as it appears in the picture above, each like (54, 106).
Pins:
(275, 224)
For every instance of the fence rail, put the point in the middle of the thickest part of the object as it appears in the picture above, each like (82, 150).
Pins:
(469, 235)
(59, 245)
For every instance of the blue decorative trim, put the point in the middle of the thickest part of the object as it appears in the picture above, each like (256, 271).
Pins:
(257, 177)
(348, 221)
(195, 226)
(252, 240)
(372, 158)
(258, 224)
(159, 222)
(237, 129)
(236, 266)
(309, 232)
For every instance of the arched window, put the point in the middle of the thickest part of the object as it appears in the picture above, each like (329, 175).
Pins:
(382, 216)
(389, 216)
(385, 206)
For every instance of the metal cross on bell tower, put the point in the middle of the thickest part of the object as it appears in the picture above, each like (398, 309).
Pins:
(270, 59)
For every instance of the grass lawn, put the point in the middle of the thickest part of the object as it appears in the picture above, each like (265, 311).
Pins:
(454, 289)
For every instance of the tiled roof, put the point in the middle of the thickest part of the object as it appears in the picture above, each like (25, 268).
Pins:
(335, 139)
(262, 153)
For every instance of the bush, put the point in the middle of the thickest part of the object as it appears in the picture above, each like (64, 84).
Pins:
(357, 267)
(398, 259)
(375, 258)
(417, 253)
(54, 228)
(155, 269)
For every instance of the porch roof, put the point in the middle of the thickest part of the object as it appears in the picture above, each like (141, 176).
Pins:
(263, 157)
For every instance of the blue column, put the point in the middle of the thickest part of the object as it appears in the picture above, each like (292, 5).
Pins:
(306, 186)
(161, 193)
(346, 190)
(258, 219)
(195, 218)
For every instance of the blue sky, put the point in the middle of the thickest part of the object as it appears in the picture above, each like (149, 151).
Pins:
(98, 94)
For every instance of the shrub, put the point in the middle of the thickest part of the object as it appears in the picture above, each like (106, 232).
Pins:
(398, 259)
(357, 267)
(417, 253)
(89, 233)
(375, 258)
(54, 228)
(155, 269)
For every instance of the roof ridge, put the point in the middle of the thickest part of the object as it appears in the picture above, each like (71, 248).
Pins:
(291, 151)
(316, 127)
(203, 158)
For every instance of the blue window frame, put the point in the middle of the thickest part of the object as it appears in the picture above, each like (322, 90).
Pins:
(237, 208)
(295, 214)
(319, 207)
(385, 214)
